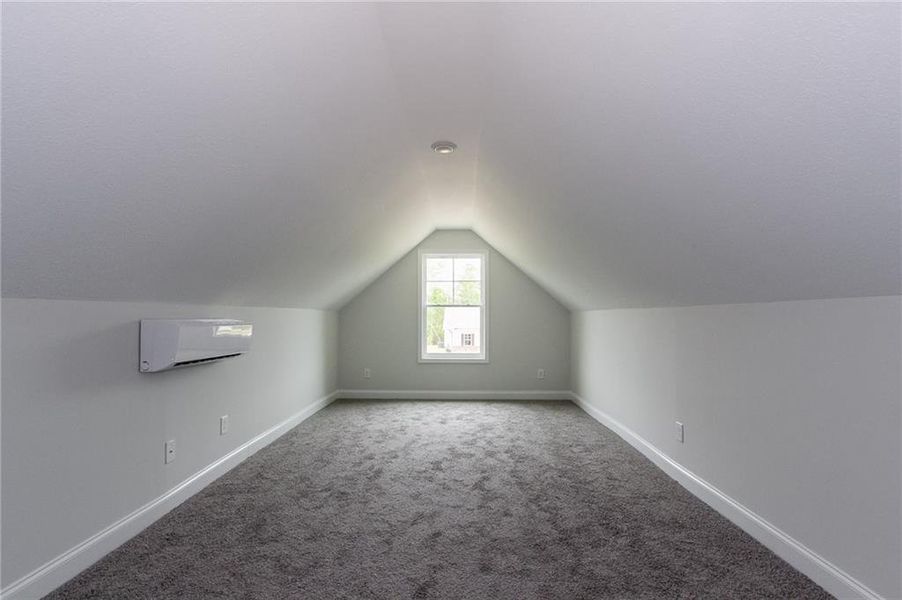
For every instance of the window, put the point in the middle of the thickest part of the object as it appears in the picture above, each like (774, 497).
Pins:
(452, 307)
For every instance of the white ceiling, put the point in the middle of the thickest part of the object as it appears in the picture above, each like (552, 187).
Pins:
(621, 154)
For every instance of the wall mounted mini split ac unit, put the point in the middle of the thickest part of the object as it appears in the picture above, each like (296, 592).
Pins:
(173, 343)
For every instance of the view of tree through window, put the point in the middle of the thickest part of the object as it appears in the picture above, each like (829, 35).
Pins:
(454, 304)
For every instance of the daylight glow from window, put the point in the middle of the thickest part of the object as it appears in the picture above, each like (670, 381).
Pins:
(452, 306)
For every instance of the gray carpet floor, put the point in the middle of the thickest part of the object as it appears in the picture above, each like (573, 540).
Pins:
(475, 500)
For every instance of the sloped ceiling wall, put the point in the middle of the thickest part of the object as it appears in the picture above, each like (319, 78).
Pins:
(621, 155)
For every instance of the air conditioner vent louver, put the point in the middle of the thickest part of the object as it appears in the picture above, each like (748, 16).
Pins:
(174, 343)
(185, 363)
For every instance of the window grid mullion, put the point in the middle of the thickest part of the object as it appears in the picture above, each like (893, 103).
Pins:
(454, 281)
(454, 305)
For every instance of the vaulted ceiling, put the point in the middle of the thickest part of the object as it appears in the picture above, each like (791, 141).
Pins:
(621, 154)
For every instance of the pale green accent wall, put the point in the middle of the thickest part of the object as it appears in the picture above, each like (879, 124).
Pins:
(528, 330)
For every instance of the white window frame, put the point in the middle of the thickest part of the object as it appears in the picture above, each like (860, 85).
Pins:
(444, 357)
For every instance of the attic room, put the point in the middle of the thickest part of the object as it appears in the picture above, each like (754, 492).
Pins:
(451, 301)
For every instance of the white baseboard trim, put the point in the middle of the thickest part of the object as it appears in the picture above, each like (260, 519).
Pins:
(807, 561)
(453, 395)
(54, 573)
(67, 565)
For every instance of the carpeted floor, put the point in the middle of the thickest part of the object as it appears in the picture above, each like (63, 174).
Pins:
(462, 500)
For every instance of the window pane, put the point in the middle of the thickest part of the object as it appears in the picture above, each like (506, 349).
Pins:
(467, 269)
(461, 330)
(468, 292)
(438, 293)
(439, 269)
(435, 330)
(453, 299)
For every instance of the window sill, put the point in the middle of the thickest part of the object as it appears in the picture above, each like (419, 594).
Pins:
(449, 360)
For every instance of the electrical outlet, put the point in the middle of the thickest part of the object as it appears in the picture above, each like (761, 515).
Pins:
(679, 432)
(169, 452)
(223, 424)
(540, 374)
(366, 373)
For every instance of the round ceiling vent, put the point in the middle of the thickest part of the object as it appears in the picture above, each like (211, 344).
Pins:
(443, 147)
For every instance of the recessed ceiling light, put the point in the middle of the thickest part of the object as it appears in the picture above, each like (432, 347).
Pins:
(444, 147)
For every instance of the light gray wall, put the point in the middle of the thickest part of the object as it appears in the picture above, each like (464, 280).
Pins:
(83, 431)
(791, 408)
(379, 330)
